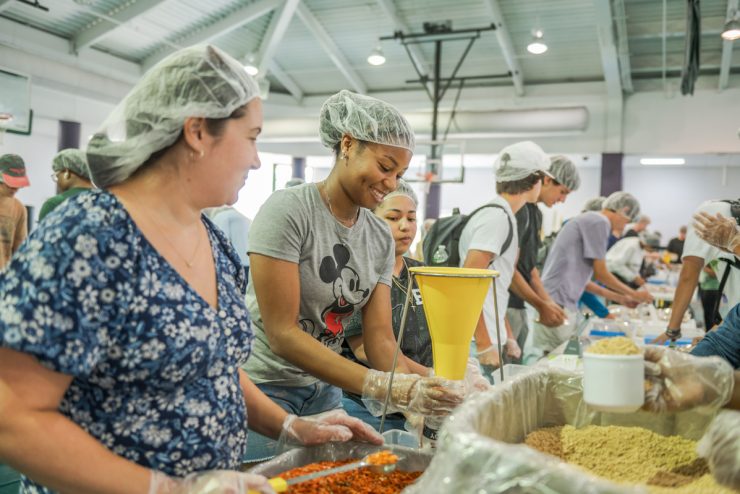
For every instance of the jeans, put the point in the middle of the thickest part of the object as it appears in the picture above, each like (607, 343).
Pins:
(354, 407)
(723, 341)
(300, 400)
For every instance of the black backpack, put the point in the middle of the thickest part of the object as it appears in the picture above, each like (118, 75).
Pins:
(731, 263)
(442, 242)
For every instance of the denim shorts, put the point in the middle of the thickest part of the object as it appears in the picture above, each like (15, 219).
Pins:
(299, 400)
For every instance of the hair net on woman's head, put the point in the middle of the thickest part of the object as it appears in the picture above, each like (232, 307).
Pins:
(403, 189)
(520, 160)
(199, 81)
(564, 171)
(623, 203)
(73, 160)
(595, 204)
(650, 239)
(364, 118)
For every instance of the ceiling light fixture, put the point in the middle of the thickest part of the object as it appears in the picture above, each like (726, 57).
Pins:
(250, 66)
(537, 46)
(376, 56)
(662, 161)
(731, 32)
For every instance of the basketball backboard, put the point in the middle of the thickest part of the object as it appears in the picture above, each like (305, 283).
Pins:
(15, 102)
(450, 164)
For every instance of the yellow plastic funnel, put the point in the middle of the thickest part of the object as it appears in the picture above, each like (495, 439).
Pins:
(452, 300)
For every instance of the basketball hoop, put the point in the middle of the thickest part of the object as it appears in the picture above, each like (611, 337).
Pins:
(428, 178)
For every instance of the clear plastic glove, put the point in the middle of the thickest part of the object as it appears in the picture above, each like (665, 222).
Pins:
(210, 482)
(426, 396)
(474, 380)
(721, 448)
(678, 381)
(642, 296)
(717, 230)
(489, 357)
(331, 426)
(512, 349)
(551, 315)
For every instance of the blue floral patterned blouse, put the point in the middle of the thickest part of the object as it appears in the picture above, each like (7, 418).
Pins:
(154, 366)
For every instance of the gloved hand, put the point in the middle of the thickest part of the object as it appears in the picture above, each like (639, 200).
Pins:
(411, 393)
(678, 381)
(474, 380)
(489, 357)
(717, 230)
(331, 426)
(209, 482)
(721, 448)
(512, 349)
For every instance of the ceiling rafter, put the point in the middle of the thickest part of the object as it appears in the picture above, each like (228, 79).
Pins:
(287, 81)
(5, 4)
(240, 17)
(275, 32)
(400, 25)
(612, 75)
(103, 27)
(331, 49)
(507, 46)
(625, 68)
(724, 71)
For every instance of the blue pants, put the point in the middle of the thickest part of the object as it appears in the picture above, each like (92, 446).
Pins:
(723, 341)
(301, 400)
(354, 407)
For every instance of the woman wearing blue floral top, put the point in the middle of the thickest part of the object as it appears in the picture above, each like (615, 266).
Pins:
(122, 318)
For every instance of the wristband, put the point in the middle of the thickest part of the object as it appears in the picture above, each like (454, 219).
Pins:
(673, 334)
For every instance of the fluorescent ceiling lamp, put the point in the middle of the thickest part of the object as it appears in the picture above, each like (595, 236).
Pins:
(537, 46)
(662, 161)
(250, 66)
(376, 57)
(731, 32)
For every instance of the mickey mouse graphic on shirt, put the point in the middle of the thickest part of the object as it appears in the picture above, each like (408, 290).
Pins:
(347, 292)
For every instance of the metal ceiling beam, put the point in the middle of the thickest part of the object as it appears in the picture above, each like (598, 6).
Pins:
(612, 75)
(399, 25)
(243, 15)
(56, 48)
(331, 48)
(625, 69)
(95, 33)
(287, 81)
(275, 32)
(507, 46)
(5, 4)
(724, 71)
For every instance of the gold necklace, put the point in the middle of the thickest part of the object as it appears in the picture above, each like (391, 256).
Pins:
(189, 263)
(351, 221)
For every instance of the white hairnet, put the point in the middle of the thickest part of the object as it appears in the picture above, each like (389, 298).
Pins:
(364, 118)
(650, 239)
(595, 204)
(403, 189)
(643, 218)
(564, 172)
(623, 203)
(199, 81)
(519, 161)
(73, 160)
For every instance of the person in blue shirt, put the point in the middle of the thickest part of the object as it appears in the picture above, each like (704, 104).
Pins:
(123, 324)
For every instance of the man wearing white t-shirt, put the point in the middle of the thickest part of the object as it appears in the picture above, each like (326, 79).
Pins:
(696, 254)
(519, 172)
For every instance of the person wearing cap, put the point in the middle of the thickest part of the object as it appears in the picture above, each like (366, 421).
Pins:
(624, 260)
(318, 255)
(72, 176)
(122, 318)
(560, 180)
(520, 168)
(13, 215)
(578, 254)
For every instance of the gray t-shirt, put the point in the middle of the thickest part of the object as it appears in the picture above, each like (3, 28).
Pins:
(570, 264)
(338, 266)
